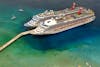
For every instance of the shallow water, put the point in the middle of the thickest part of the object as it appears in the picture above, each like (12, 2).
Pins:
(78, 47)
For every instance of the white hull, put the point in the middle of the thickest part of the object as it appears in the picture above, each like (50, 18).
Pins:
(65, 28)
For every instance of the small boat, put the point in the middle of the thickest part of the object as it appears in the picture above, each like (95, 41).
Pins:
(20, 10)
(13, 17)
(52, 22)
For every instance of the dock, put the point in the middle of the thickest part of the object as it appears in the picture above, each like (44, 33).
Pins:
(15, 38)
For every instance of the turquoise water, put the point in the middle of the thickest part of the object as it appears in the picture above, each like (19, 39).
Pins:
(72, 48)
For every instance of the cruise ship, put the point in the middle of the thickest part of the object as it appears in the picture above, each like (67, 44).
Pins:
(52, 22)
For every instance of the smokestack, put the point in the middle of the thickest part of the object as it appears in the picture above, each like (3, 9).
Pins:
(80, 11)
(73, 6)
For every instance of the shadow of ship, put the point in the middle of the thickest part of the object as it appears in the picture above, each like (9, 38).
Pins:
(62, 41)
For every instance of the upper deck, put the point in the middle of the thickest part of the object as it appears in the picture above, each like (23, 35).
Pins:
(60, 16)
(66, 13)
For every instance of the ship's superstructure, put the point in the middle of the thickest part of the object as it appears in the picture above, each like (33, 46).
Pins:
(51, 22)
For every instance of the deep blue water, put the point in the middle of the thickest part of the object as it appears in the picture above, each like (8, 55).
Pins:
(72, 48)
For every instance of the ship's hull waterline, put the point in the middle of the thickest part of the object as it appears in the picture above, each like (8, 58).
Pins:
(65, 26)
(52, 22)
(59, 21)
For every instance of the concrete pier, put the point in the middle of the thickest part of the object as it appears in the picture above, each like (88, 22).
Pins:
(14, 39)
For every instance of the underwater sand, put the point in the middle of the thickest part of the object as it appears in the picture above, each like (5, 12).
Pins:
(78, 47)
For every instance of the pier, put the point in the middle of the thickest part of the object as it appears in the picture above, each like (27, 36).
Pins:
(15, 38)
